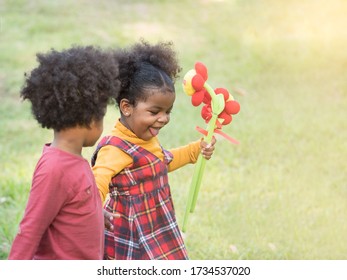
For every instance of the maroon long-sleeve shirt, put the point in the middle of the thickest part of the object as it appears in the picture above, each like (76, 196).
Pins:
(63, 218)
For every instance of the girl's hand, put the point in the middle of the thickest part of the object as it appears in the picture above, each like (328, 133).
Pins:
(207, 149)
(108, 219)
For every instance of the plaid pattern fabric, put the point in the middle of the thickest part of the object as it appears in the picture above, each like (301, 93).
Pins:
(147, 228)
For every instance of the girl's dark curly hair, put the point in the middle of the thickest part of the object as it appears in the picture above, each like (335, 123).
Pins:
(143, 66)
(72, 87)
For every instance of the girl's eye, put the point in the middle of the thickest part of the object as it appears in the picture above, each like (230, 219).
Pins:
(153, 113)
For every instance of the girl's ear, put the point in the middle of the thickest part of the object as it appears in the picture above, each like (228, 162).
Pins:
(125, 107)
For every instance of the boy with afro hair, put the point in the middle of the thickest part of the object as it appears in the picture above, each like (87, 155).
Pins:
(69, 92)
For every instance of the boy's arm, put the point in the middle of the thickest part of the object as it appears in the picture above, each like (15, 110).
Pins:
(46, 198)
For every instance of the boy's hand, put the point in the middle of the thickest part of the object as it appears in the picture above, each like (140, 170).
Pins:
(108, 219)
(207, 149)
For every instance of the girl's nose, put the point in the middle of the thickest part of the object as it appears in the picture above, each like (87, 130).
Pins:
(165, 118)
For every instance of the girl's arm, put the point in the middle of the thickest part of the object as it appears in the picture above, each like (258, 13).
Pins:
(190, 153)
(110, 161)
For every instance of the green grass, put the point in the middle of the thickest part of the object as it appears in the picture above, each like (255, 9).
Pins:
(281, 193)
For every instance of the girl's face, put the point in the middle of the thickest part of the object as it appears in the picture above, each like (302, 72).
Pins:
(146, 118)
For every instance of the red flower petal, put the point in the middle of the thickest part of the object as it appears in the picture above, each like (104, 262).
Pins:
(206, 112)
(226, 118)
(202, 70)
(223, 91)
(198, 82)
(207, 98)
(197, 98)
(232, 107)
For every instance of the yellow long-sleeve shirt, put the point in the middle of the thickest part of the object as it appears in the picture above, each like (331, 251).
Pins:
(111, 160)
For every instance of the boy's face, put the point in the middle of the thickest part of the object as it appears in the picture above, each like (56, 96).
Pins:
(149, 116)
(94, 132)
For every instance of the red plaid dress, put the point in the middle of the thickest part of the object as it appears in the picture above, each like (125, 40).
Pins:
(147, 228)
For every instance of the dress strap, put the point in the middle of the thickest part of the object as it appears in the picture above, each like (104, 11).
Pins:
(111, 140)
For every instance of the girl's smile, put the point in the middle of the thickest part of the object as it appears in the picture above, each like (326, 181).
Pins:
(148, 116)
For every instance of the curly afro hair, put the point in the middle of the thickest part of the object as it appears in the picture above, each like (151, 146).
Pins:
(72, 87)
(144, 66)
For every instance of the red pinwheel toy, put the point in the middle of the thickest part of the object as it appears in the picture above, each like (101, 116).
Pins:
(219, 106)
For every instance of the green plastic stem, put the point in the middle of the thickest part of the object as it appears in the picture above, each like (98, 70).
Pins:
(200, 165)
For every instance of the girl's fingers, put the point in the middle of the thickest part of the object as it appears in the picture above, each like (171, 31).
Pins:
(108, 218)
(208, 148)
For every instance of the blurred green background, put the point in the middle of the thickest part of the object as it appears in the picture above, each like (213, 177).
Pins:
(281, 193)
